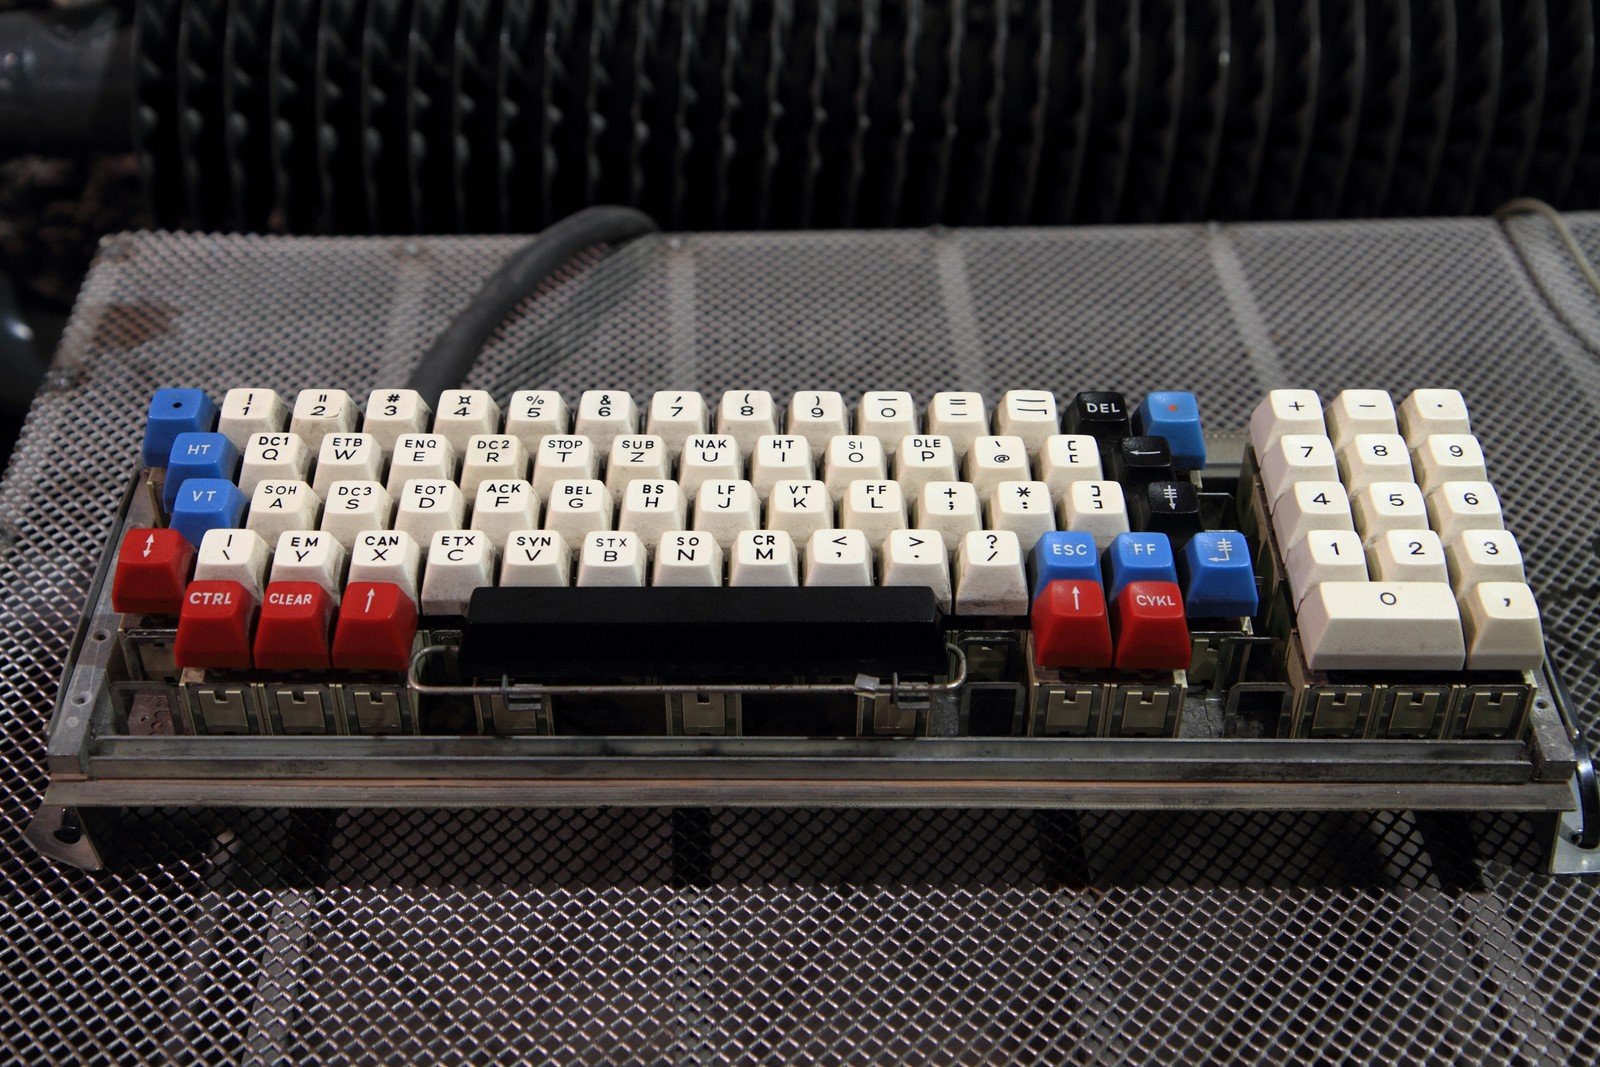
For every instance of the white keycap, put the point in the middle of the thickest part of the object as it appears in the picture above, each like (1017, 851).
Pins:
(874, 508)
(653, 509)
(279, 457)
(890, 417)
(603, 415)
(1285, 411)
(724, 509)
(612, 559)
(1096, 508)
(577, 507)
(247, 412)
(464, 413)
(1067, 458)
(917, 557)
(992, 460)
(233, 556)
(1297, 458)
(426, 507)
(763, 557)
(780, 458)
(818, 417)
(962, 417)
(1407, 556)
(688, 557)
(852, 458)
(1360, 411)
(492, 458)
(950, 509)
(347, 457)
(1029, 414)
(393, 414)
(319, 412)
(709, 458)
(1024, 508)
(459, 563)
(309, 556)
(1311, 506)
(501, 508)
(990, 579)
(1483, 556)
(355, 506)
(386, 556)
(1385, 506)
(636, 456)
(1382, 626)
(924, 458)
(536, 557)
(535, 414)
(1448, 457)
(745, 415)
(1502, 627)
(839, 557)
(799, 508)
(1456, 507)
(563, 456)
(1374, 457)
(276, 506)
(1430, 411)
(675, 416)
(420, 456)
(1325, 556)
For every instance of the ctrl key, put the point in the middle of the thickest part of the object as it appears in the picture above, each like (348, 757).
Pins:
(377, 627)
(214, 626)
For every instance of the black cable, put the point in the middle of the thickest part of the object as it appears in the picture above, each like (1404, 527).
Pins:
(446, 363)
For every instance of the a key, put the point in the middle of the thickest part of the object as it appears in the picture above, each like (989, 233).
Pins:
(1444, 458)
(874, 508)
(764, 558)
(990, 579)
(459, 563)
(346, 457)
(652, 509)
(951, 509)
(1384, 506)
(917, 557)
(1374, 457)
(426, 507)
(818, 417)
(745, 415)
(614, 559)
(279, 506)
(247, 412)
(1071, 626)
(1503, 632)
(1483, 556)
(420, 456)
(309, 556)
(233, 556)
(492, 458)
(1456, 507)
(688, 557)
(1024, 508)
(390, 556)
(850, 459)
(1310, 506)
(353, 507)
(709, 458)
(780, 458)
(1029, 414)
(634, 457)
(890, 417)
(319, 412)
(1285, 411)
(393, 414)
(277, 457)
(563, 456)
(1325, 556)
(1433, 411)
(1150, 628)
(499, 508)
(992, 460)
(675, 416)
(464, 413)
(535, 414)
(1407, 556)
(1096, 508)
(839, 557)
(1381, 626)
(604, 415)
(214, 626)
(536, 557)
(1068, 458)
(725, 508)
(1297, 458)
(924, 458)
(376, 629)
(577, 507)
(962, 417)
(1360, 411)
(799, 508)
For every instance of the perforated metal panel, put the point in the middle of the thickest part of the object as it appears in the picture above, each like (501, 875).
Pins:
(722, 936)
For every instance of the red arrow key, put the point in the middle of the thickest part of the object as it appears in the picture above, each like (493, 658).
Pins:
(1152, 634)
(152, 568)
(377, 624)
(1070, 628)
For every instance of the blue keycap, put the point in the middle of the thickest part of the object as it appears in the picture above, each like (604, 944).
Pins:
(1175, 416)
(175, 411)
(1138, 557)
(1218, 580)
(1063, 554)
(206, 504)
(199, 455)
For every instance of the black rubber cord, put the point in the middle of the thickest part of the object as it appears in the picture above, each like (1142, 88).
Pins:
(446, 363)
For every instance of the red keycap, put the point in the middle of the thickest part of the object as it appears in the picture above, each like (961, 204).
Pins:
(377, 624)
(1070, 625)
(214, 626)
(152, 570)
(292, 634)
(1152, 634)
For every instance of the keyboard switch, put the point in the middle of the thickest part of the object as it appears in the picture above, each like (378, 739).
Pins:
(387, 557)
(780, 458)
(839, 557)
(924, 458)
(1311, 506)
(687, 557)
(890, 417)
(293, 630)
(612, 559)
(1150, 628)
(637, 457)
(650, 510)
(951, 509)
(1029, 414)
(992, 460)
(1360, 411)
(746, 415)
(347, 457)
(578, 507)
(851, 459)
(459, 562)
(604, 415)
(278, 457)
(1325, 556)
(725, 509)
(309, 556)
(874, 508)
(247, 412)
(376, 629)
(918, 557)
(276, 507)
(819, 417)
(1407, 556)
(231, 556)
(1297, 458)
(1374, 457)
(1096, 508)
(675, 416)
(393, 414)
(420, 457)
(799, 508)
(319, 412)
(214, 627)
(1071, 626)
(1456, 507)
(536, 557)
(535, 414)
(709, 458)
(763, 558)
(1448, 457)
(464, 414)
(500, 508)
(962, 417)
(1433, 411)
(1285, 411)
(1382, 626)
(990, 578)
(492, 458)
(1483, 556)
(563, 456)
(425, 508)
(1502, 627)
(1024, 508)
(152, 570)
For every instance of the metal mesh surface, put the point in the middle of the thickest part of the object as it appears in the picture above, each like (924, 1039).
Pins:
(721, 936)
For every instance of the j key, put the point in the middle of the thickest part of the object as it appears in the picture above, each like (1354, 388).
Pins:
(1138, 460)
(1171, 508)
(1103, 416)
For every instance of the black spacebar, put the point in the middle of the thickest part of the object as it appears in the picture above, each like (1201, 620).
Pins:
(701, 633)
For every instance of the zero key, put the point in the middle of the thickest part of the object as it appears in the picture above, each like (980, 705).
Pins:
(376, 629)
